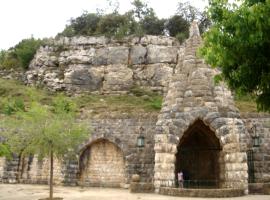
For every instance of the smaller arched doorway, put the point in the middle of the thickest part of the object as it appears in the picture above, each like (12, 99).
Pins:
(198, 157)
(102, 164)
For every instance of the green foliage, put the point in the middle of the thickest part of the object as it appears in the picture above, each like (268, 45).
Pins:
(99, 104)
(217, 79)
(8, 60)
(140, 20)
(238, 43)
(191, 13)
(4, 150)
(86, 24)
(13, 105)
(20, 55)
(152, 99)
(181, 37)
(140, 9)
(38, 129)
(115, 24)
(62, 104)
(25, 51)
(177, 24)
(152, 25)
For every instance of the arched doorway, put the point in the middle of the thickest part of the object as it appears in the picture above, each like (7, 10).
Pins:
(102, 165)
(198, 157)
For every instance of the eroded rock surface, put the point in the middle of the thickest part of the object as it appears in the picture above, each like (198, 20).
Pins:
(99, 64)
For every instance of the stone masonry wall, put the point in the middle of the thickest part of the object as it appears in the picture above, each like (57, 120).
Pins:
(192, 95)
(103, 165)
(121, 133)
(103, 65)
(258, 124)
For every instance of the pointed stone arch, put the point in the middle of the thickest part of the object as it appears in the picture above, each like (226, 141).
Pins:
(102, 164)
(198, 156)
(227, 130)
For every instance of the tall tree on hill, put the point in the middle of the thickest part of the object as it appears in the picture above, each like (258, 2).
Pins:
(47, 132)
(239, 43)
(191, 13)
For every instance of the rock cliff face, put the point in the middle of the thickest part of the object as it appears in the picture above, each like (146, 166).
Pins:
(102, 65)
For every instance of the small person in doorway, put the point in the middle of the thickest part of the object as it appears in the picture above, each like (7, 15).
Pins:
(180, 177)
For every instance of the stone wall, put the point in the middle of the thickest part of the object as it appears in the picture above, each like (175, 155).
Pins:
(103, 165)
(103, 65)
(194, 98)
(120, 135)
(259, 125)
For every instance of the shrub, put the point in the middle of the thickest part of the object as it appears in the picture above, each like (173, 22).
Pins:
(25, 51)
(21, 55)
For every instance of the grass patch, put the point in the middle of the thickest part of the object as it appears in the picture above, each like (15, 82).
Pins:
(246, 106)
(245, 102)
(14, 95)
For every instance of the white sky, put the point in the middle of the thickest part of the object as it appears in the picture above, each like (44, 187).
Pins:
(20, 19)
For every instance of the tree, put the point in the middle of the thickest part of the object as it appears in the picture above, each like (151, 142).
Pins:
(152, 25)
(46, 131)
(20, 55)
(147, 21)
(191, 13)
(238, 43)
(114, 24)
(25, 51)
(86, 24)
(177, 24)
(140, 9)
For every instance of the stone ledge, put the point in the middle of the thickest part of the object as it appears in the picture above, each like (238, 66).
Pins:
(228, 192)
(140, 187)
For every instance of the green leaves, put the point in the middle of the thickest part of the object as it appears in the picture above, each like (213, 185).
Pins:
(21, 55)
(238, 43)
(32, 131)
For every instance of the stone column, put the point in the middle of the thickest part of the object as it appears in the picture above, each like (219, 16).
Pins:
(164, 162)
(2, 167)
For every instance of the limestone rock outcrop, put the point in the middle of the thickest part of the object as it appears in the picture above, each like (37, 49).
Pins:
(103, 65)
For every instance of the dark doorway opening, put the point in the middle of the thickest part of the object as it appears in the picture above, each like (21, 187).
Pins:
(251, 171)
(198, 157)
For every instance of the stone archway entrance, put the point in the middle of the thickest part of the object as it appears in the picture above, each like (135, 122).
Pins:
(102, 165)
(198, 157)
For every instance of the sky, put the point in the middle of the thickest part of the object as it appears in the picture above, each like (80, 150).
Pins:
(21, 19)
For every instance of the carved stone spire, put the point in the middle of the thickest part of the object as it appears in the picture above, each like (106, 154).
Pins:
(194, 29)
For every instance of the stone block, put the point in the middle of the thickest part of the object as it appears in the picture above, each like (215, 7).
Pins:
(118, 55)
(161, 54)
(101, 57)
(117, 78)
(137, 55)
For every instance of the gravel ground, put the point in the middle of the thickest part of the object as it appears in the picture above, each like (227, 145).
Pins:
(34, 192)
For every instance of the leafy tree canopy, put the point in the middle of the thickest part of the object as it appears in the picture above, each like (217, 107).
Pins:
(238, 43)
(140, 20)
(20, 55)
(44, 131)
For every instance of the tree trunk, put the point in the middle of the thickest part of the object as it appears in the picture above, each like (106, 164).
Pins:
(51, 173)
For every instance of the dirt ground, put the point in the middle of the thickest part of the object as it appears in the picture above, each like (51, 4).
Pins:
(34, 192)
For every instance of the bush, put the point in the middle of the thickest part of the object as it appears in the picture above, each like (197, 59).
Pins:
(177, 24)
(13, 105)
(25, 51)
(181, 37)
(21, 55)
(152, 25)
